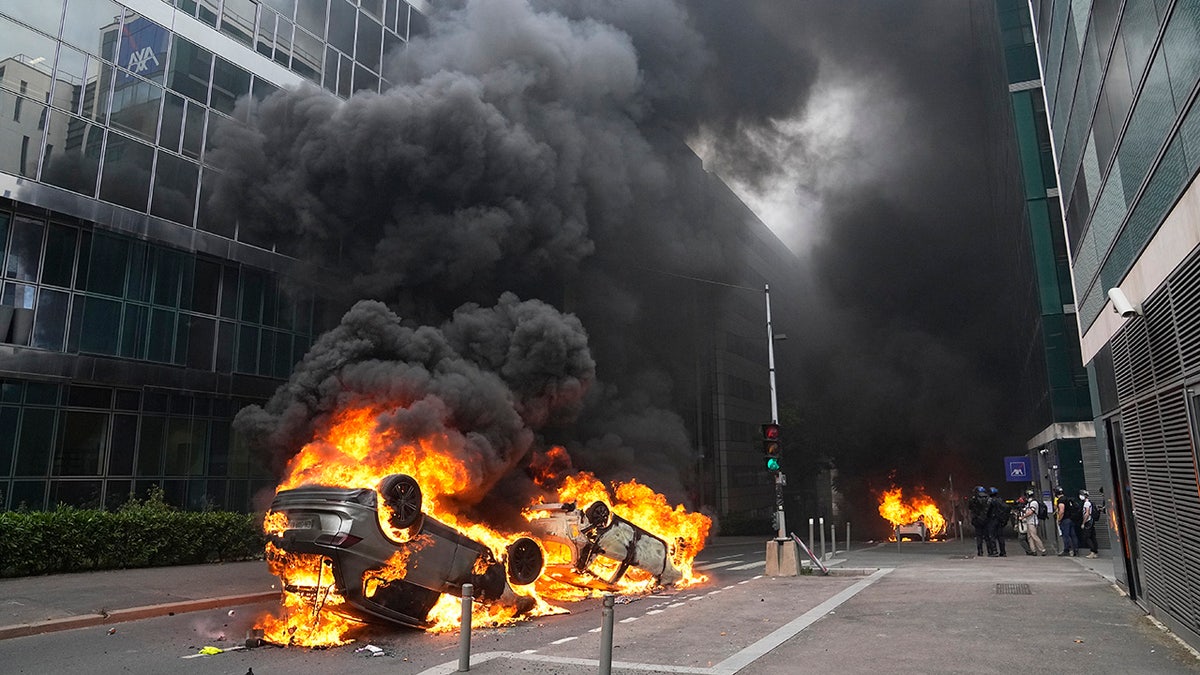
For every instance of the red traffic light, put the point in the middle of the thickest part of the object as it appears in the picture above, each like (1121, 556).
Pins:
(770, 431)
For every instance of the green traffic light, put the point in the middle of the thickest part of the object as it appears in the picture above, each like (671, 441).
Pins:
(772, 464)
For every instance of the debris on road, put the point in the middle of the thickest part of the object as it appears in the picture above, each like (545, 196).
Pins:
(370, 650)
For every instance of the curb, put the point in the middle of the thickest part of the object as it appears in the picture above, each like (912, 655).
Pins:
(131, 614)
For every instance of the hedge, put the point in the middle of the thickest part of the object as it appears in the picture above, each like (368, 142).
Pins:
(146, 533)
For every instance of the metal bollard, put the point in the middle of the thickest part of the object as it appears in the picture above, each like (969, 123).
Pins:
(606, 634)
(847, 536)
(822, 528)
(812, 542)
(833, 539)
(464, 630)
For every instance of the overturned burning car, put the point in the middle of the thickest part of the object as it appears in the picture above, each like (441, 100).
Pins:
(390, 563)
(374, 554)
(602, 546)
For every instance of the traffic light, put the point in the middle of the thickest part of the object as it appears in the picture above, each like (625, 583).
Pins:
(771, 446)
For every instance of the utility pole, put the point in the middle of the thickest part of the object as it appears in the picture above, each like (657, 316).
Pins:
(783, 552)
(780, 480)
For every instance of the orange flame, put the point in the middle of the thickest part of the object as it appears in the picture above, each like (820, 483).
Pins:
(356, 453)
(919, 507)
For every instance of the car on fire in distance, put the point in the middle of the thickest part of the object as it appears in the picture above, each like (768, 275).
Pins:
(342, 526)
(915, 530)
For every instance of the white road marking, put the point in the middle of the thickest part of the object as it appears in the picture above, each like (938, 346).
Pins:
(529, 651)
(749, 566)
(630, 619)
(715, 565)
(750, 654)
(565, 640)
(678, 604)
(655, 611)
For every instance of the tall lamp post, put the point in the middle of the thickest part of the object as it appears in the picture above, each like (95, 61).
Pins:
(780, 480)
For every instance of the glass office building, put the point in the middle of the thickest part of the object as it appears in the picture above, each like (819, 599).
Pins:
(1056, 382)
(1120, 83)
(135, 324)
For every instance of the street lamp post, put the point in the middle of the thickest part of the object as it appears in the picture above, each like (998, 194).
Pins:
(780, 480)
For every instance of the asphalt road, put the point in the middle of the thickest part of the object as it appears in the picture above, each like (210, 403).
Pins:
(160, 645)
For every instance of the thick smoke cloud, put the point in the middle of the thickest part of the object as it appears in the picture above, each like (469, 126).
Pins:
(898, 169)
(486, 381)
(517, 143)
(522, 141)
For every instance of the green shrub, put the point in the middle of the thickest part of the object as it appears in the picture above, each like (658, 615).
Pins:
(142, 533)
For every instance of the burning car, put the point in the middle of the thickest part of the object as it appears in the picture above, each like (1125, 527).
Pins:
(914, 530)
(602, 546)
(378, 556)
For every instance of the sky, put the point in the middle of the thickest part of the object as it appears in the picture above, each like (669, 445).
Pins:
(522, 139)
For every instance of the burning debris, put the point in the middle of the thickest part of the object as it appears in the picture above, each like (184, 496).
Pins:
(420, 475)
(917, 509)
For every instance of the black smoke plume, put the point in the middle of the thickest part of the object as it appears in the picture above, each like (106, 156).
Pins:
(486, 380)
(523, 145)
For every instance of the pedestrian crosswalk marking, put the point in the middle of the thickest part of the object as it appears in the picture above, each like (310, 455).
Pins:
(749, 566)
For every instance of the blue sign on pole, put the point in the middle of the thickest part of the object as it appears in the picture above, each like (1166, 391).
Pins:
(1017, 470)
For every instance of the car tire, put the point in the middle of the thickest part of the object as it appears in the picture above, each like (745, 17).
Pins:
(403, 495)
(598, 514)
(525, 561)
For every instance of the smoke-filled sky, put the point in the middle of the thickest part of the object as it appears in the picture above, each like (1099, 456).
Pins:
(522, 139)
(885, 171)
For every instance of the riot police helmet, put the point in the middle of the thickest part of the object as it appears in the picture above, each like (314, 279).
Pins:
(994, 492)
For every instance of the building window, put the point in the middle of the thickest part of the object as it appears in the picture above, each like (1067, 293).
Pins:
(17, 106)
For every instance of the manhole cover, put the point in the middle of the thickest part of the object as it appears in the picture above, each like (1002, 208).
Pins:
(1013, 589)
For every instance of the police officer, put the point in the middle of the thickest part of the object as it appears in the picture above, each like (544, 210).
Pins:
(979, 519)
(998, 513)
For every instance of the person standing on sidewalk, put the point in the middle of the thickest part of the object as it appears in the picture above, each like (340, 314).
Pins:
(1022, 529)
(1029, 516)
(1064, 513)
(979, 513)
(998, 513)
(1087, 527)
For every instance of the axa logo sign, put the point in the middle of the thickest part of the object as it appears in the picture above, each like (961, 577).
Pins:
(143, 49)
(142, 60)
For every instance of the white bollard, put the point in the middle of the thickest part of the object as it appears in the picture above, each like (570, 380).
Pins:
(464, 630)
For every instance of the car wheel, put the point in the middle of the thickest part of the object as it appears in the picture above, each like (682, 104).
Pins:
(525, 561)
(402, 494)
(598, 514)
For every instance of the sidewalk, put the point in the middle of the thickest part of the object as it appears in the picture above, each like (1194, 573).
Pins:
(31, 605)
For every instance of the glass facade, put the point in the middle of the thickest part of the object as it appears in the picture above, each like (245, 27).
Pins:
(1065, 387)
(105, 101)
(135, 322)
(1120, 83)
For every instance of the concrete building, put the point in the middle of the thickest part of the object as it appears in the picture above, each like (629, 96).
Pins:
(136, 323)
(1120, 83)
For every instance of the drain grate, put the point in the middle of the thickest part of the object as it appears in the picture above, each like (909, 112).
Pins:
(1013, 589)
